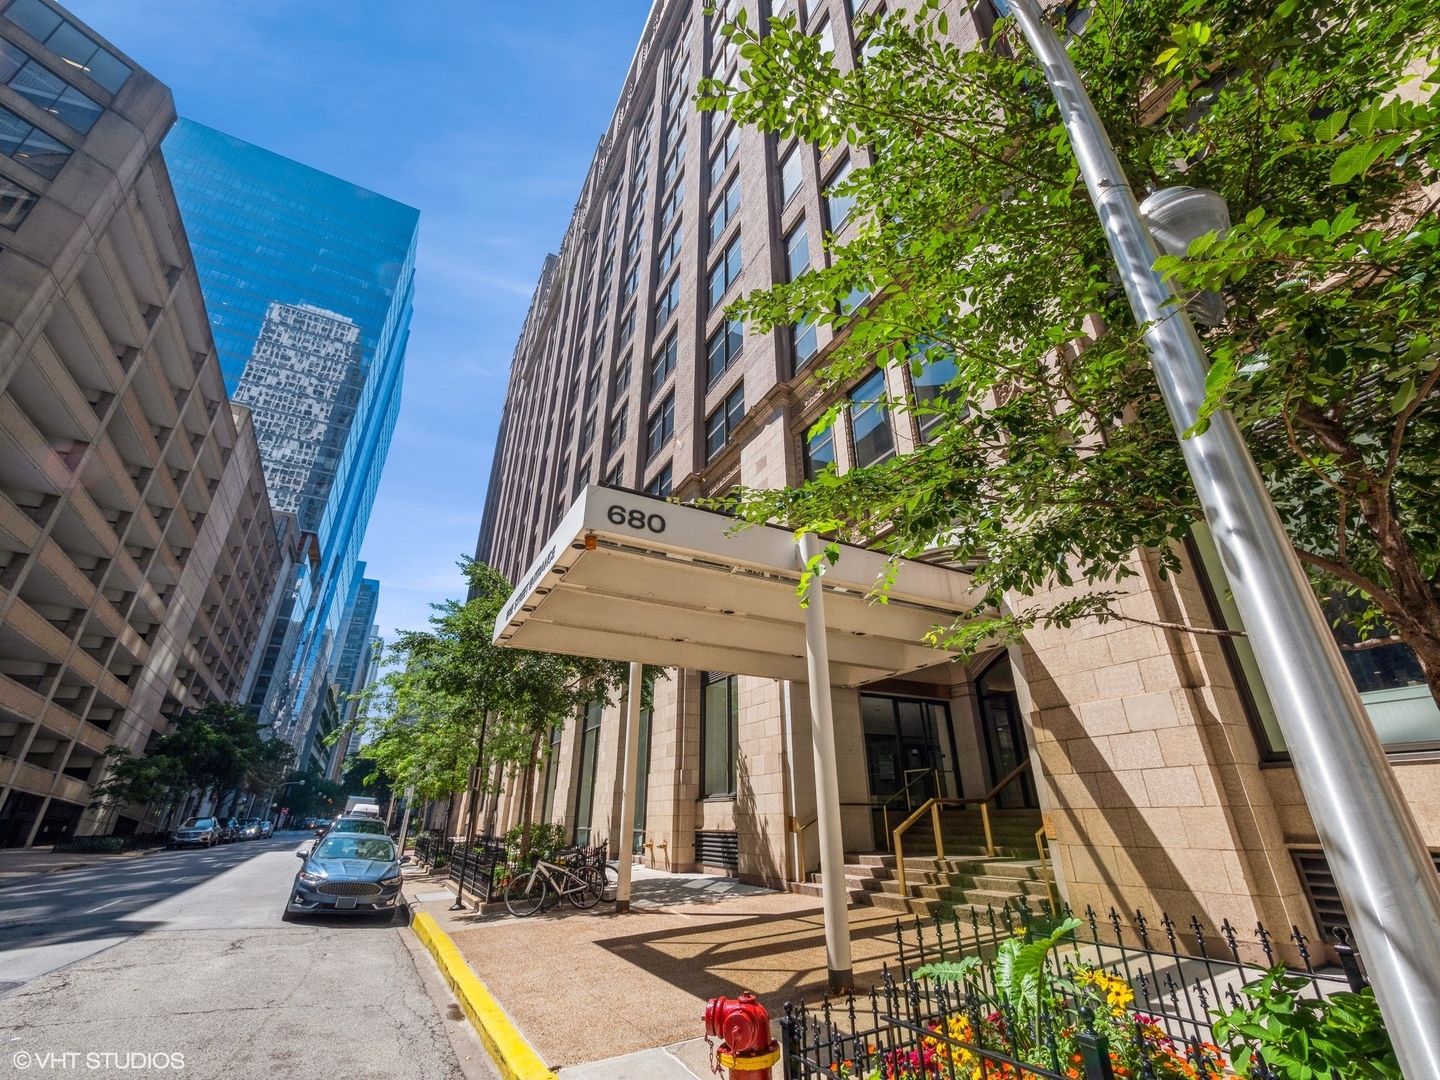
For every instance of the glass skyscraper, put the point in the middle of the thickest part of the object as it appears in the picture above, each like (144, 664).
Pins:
(309, 284)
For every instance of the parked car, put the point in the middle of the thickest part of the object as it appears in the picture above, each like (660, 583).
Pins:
(250, 830)
(197, 832)
(353, 873)
(229, 830)
(267, 828)
(353, 823)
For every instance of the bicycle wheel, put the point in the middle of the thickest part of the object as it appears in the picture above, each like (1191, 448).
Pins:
(612, 884)
(586, 887)
(525, 894)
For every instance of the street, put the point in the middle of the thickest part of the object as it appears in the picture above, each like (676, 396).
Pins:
(121, 966)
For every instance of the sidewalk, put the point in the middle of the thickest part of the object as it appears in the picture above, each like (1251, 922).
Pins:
(639, 982)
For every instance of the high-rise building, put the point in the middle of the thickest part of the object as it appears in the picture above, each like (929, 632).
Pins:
(138, 552)
(1153, 757)
(353, 667)
(309, 281)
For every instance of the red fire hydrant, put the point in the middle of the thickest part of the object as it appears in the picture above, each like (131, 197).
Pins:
(743, 1026)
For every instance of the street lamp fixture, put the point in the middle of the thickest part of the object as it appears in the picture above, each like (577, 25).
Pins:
(1381, 865)
(1177, 216)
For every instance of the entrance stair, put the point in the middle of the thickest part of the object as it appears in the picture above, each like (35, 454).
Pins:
(966, 877)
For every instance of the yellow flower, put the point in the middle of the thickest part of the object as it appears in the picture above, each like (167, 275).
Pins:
(1115, 990)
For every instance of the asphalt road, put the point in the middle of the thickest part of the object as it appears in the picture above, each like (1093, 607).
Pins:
(118, 967)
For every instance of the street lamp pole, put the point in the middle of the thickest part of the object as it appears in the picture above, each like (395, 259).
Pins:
(1381, 866)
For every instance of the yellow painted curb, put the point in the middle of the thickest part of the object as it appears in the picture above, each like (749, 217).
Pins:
(513, 1056)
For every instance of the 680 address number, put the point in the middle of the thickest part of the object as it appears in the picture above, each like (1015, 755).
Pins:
(636, 519)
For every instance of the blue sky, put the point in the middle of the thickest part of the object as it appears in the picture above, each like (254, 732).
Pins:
(485, 116)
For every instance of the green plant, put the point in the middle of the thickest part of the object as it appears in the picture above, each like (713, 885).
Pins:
(546, 838)
(979, 262)
(1302, 1038)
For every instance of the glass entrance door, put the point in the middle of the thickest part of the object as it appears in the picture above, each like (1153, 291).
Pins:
(902, 747)
(1005, 735)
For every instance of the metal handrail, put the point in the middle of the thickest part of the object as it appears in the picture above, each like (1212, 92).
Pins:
(1045, 870)
(934, 805)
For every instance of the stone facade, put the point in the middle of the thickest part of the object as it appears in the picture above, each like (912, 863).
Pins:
(1151, 764)
(139, 549)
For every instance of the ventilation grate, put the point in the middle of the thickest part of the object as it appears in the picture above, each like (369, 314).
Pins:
(1320, 887)
(718, 849)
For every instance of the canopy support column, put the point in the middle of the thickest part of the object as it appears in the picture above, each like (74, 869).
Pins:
(827, 783)
(629, 786)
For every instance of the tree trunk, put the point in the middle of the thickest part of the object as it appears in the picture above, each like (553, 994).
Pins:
(1411, 602)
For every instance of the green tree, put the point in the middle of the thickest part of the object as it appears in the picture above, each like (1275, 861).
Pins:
(449, 683)
(218, 749)
(309, 794)
(978, 253)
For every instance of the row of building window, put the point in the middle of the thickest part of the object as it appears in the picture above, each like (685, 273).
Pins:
(46, 90)
(724, 346)
(871, 419)
(69, 42)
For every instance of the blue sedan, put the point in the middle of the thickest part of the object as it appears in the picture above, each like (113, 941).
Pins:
(347, 873)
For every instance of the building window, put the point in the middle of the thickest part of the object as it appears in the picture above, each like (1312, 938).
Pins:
(806, 342)
(592, 388)
(723, 421)
(936, 371)
(827, 39)
(797, 251)
(627, 327)
(15, 204)
(667, 304)
(719, 734)
(870, 422)
(663, 482)
(30, 146)
(673, 164)
(791, 173)
(853, 300)
(587, 432)
(660, 427)
(45, 90)
(69, 42)
(630, 284)
(622, 378)
(722, 49)
(725, 273)
(671, 251)
(838, 206)
(616, 476)
(585, 793)
(670, 208)
(664, 362)
(819, 452)
(726, 207)
(582, 476)
(723, 156)
(723, 349)
(617, 430)
(552, 773)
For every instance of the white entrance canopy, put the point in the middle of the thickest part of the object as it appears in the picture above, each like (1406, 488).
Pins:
(630, 577)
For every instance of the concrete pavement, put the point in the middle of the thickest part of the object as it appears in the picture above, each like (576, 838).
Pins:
(186, 953)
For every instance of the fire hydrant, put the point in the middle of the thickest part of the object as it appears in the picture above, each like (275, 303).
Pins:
(743, 1026)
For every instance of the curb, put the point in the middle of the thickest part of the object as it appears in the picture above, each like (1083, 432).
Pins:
(515, 1058)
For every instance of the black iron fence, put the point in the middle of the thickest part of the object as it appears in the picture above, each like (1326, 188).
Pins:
(484, 867)
(1109, 996)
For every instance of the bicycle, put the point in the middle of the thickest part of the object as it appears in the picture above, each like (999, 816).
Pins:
(528, 893)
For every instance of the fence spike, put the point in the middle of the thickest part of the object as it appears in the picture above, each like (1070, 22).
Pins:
(1264, 936)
